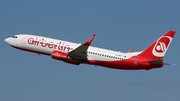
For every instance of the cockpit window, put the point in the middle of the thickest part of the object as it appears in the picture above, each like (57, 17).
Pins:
(14, 37)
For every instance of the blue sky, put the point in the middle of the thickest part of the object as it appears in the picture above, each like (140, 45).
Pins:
(119, 25)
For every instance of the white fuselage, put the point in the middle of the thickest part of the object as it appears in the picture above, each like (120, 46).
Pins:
(47, 45)
(44, 45)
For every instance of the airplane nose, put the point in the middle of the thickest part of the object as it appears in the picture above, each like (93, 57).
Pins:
(7, 40)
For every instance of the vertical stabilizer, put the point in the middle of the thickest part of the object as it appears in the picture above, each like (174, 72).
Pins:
(158, 49)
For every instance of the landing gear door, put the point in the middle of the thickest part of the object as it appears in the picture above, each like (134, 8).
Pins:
(23, 41)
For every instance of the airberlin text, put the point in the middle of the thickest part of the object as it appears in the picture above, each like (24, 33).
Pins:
(52, 45)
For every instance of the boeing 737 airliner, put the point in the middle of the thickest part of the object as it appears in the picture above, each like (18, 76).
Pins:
(73, 53)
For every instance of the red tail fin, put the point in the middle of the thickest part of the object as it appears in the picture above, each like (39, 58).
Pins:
(158, 49)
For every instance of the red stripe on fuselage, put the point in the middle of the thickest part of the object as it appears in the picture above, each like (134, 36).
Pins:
(128, 64)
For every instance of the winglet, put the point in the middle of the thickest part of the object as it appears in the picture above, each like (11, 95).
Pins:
(89, 41)
(130, 50)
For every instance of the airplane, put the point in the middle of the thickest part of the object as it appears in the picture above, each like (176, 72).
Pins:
(73, 53)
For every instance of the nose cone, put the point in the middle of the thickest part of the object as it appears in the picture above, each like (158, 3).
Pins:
(7, 40)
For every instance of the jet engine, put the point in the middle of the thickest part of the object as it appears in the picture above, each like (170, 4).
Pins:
(58, 55)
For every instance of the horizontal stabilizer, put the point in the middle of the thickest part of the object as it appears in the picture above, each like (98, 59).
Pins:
(156, 62)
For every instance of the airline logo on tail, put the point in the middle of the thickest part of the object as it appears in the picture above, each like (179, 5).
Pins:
(158, 49)
(161, 46)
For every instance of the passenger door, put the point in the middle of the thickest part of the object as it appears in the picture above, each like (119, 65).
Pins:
(23, 41)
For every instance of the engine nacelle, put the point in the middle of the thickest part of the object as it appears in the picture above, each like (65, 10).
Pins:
(58, 55)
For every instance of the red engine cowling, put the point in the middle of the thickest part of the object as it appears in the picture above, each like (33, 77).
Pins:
(58, 55)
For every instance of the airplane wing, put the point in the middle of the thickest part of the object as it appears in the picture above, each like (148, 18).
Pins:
(80, 52)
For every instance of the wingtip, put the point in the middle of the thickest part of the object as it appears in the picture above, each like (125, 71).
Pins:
(89, 41)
